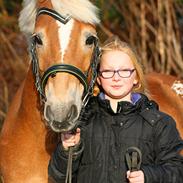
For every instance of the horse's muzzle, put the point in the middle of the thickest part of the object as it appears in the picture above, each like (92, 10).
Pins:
(63, 126)
(62, 120)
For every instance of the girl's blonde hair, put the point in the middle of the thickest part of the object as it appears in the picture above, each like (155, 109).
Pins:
(114, 43)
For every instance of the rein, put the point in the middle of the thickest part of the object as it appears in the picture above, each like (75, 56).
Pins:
(133, 158)
(41, 80)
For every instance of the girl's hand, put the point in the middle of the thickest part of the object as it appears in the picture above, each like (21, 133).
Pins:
(70, 139)
(135, 177)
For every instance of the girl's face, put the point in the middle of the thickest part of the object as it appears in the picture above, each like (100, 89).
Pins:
(117, 87)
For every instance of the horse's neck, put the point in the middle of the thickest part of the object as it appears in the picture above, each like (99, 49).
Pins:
(31, 108)
(167, 99)
(30, 103)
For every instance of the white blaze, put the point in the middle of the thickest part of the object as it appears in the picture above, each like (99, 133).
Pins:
(64, 36)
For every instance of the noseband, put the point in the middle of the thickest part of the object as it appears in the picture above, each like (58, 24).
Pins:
(41, 80)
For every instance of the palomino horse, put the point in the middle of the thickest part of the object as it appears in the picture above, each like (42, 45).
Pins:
(168, 92)
(63, 47)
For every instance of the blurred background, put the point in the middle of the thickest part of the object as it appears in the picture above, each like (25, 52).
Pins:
(153, 27)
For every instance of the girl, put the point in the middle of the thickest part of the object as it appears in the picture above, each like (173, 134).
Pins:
(121, 116)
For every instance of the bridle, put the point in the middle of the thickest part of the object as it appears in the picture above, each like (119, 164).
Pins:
(41, 80)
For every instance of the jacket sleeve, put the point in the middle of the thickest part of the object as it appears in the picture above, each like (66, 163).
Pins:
(58, 163)
(168, 146)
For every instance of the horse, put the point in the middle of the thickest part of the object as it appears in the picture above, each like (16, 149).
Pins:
(62, 38)
(167, 91)
(63, 48)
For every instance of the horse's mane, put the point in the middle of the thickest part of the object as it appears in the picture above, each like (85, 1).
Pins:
(82, 10)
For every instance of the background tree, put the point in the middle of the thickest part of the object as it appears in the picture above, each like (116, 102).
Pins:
(153, 27)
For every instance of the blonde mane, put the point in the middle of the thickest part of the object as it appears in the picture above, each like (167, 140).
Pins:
(82, 10)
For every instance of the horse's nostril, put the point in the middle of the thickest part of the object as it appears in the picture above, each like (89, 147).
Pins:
(72, 113)
(49, 114)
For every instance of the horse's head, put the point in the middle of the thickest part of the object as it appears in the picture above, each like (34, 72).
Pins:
(63, 43)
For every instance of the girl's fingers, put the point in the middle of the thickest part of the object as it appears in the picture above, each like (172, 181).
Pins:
(69, 139)
(128, 174)
(135, 177)
(78, 130)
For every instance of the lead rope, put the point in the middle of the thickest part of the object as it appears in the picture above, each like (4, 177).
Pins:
(70, 155)
(69, 167)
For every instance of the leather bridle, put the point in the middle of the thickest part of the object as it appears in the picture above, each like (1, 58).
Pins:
(41, 80)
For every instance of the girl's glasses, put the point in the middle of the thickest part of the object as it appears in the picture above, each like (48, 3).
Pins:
(123, 73)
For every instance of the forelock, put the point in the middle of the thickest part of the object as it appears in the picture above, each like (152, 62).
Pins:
(82, 10)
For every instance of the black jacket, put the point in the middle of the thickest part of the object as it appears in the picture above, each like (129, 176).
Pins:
(106, 136)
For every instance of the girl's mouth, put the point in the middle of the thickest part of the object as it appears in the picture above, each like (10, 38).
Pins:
(116, 86)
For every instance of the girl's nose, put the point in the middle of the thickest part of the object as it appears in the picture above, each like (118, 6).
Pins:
(116, 77)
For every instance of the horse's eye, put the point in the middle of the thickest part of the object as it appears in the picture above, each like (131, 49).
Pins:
(38, 40)
(90, 40)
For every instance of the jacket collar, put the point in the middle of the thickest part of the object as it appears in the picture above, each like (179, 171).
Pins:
(139, 103)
